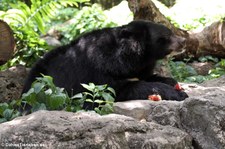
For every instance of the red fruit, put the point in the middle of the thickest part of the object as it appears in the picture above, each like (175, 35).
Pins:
(178, 87)
(155, 97)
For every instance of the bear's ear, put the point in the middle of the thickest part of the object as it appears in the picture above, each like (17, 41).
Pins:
(131, 33)
(126, 32)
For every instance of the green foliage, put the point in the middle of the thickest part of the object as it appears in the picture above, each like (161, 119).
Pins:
(28, 23)
(5, 4)
(197, 23)
(40, 12)
(86, 19)
(219, 70)
(208, 58)
(180, 70)
(185, 73)
(45, 95)
(8, 112)
(100, 95)
(30, 47)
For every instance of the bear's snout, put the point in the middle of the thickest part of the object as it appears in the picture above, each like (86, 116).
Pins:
(177, 43)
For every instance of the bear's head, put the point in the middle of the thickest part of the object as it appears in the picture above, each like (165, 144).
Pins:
(156, 40)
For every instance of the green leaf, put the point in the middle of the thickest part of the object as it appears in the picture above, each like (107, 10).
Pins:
(48, 91)
(101, 87)
(7, 114)
(16, 114)
(99, 101)
(97, 110)
(38, 87)
(107, 97)
(57, 101)
(89, 87)
(31, 91)
(89, 94)
(2, 120)
(111, 90)
(14, 103)
(106, 109)
(38, 106)
(89, 100)
(40, 23)
(47, 79)
(3, 107)
(79, 96)
(30, 98)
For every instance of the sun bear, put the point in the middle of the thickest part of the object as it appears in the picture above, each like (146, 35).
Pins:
(113, 56)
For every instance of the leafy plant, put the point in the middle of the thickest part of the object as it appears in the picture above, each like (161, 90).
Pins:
(8, 111)
(84, 20)
(45, 95)
(185, 73)
(5, 4)
(180, 70)
(28, 23)
(208, 58)
(100, 95)
(219, 70)
(40, 12)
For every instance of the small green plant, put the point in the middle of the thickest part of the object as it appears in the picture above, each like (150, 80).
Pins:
(8, 111)
(181, 70)
(45, 95)
(100, 95)
(86, 19)
(219, 69)
(208, 58)
(185, 73)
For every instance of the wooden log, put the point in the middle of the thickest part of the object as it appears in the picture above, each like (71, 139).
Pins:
(7, 42)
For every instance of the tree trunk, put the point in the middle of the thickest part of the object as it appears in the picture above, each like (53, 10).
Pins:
(210, 41)
(7, 42)
(106, 4)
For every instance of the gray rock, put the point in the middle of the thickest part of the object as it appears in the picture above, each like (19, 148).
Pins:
(51, 41)
(204, 119)
(84, 130)
(162, 112)
(218, 82)
(202, 115)
(11, 83)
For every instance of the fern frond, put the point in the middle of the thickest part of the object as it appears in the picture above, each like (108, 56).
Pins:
(41, 11)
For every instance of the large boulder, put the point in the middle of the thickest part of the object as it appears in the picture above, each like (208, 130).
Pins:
(84, 130)
(202, 115)
(204, 120)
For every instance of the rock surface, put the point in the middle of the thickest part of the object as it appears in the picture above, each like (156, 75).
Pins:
(84, 130)
(11, 83)
(202, 115)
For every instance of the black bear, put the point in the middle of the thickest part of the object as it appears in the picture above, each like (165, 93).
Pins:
(113, 56)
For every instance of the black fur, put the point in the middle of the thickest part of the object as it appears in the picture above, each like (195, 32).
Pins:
(112, 56)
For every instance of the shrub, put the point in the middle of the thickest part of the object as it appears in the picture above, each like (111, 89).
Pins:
(44, 95)
(84, 20)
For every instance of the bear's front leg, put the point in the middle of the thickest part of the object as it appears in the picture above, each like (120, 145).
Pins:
(141, 90)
